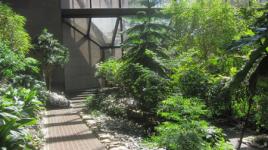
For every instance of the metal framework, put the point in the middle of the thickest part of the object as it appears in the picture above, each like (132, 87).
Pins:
(90, 13)
(103, 12)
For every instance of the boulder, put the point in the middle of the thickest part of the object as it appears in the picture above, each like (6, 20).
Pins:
(57, 100)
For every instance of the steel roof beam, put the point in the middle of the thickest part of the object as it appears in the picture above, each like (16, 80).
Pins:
(104, 12)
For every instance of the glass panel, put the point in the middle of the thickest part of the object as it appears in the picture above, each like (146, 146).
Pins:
(102, 30)
(105, 3)
(131, 4)
(66, 4)
(137, 4)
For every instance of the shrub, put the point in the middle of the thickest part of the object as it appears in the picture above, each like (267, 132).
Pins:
(184, 128)
(12, 30)
(146, 86)
(109, 71)
(107, 102)
(18, 110)
(193, 83)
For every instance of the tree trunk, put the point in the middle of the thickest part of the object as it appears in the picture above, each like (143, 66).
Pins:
(49, 79)
(244, 127)
(47, 73)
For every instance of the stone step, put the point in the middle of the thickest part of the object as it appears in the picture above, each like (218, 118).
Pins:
(78, 106)
(85, 91)
(77, 101)
(80, 96)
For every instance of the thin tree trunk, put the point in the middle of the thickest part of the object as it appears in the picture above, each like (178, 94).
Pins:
(244, 127)
(49, 77)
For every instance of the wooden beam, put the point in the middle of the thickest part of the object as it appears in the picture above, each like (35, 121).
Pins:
(104, 12)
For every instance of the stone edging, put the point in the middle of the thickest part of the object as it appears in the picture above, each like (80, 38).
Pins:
(108, 139)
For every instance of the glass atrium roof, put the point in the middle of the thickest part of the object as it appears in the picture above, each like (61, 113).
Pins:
(101, 21)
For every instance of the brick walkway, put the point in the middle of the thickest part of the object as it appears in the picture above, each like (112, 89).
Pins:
(64, 130)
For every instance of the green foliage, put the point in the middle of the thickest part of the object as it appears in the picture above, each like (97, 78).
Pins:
(184, 128)
(248, 74)
(205, 25)
(12, 30)
(261, 102)
(261, 111)
(181, 109)
(193, 83)
(12, 63)
(108, 102)
(146, 86)
(109, 70)
(51, 53)
(18, 110)
(21, 92)
(141, 73)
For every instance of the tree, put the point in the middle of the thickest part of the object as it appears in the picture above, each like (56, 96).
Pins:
(143, 73)
(207, 27)
(148, 39)
(252, 69)
(51, 53)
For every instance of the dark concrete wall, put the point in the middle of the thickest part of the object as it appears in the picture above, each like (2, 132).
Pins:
(79, 71)
(42, 14)
(84, 55)
(39, 14)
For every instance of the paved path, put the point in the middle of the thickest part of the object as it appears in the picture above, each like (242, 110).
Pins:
(65, 130)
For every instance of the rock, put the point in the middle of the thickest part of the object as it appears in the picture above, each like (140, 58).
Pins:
(105, 136)
(106, 141)
(115, 144)
(119, 148)
(57, 100)
(87, 117)
(92, 122)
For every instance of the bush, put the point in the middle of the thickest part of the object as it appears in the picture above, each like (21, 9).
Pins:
(146, 86)
(184, 128)
(193, 83)
(261, 111)
(109, 103)
(109, 71)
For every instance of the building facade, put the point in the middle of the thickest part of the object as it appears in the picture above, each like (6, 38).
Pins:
(91, 38)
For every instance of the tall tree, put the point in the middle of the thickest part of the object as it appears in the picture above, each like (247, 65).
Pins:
(144, 73)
